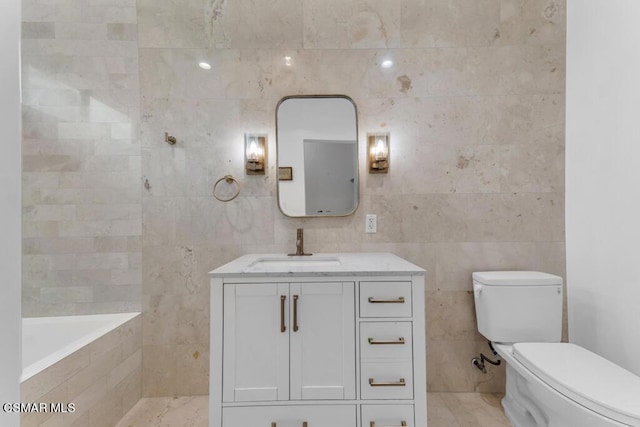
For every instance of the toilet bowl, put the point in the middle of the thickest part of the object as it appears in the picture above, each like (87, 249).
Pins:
(549, 383)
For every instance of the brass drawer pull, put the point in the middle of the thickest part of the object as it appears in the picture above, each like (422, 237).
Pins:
(373, 300)
(402, 424)
(295, 313)
(373, 341)
(304, 424)
(283, 328)
(401, 383)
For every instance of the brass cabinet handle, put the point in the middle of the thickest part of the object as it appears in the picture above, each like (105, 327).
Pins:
(295, 313)
(374, 341)
(373, 300)
(283, 328)
(373, 424)
(400, 383)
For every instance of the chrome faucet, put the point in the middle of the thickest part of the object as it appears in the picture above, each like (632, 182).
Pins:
(299, 243)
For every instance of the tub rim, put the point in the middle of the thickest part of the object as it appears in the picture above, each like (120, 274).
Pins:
(113, 320)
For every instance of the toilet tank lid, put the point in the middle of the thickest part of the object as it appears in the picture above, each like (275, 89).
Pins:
(514, 278)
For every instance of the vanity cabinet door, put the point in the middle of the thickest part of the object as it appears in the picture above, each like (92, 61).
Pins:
(323, 360)
(256, 342)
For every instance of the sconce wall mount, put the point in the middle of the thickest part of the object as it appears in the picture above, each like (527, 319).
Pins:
(378, 149)
(255, 153)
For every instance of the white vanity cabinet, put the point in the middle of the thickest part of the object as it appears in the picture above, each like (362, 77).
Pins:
(288, 341)
(331, 340)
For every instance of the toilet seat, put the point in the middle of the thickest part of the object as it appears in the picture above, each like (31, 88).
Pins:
(585, 378)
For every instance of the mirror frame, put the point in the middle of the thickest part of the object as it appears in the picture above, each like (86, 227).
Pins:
(357, 201)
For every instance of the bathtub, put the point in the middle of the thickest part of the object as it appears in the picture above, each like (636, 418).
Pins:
(47, 340)
(88, 361)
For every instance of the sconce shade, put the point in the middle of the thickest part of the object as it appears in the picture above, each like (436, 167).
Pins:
(378, 149)
(255, 153)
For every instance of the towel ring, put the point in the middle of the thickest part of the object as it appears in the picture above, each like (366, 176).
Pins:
(229, 180)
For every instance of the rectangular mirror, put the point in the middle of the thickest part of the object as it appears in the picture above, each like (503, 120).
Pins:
(317, 152)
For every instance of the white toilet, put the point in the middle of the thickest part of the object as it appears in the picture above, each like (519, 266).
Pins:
(549, 383)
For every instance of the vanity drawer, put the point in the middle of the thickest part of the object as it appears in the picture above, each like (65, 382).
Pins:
(386, 380)
(290, 416)
(385, 299)
(386, 340)
(387, 416)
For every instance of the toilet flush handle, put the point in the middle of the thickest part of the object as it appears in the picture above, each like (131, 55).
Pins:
(477, 290)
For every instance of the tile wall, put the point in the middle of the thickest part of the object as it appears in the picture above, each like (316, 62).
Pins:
(103, 380)
(474, 103)
(475, 106)
(82, 202)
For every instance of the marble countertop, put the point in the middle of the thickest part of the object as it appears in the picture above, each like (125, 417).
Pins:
(322, 264)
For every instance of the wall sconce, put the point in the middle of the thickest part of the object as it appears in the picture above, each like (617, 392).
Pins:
(378, 152)
(255, 153)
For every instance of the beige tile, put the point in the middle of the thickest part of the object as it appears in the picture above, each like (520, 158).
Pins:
(79, 89)
(164, 24)
(457, 261)
(438, 414)
(106, 412)
(432, 23)
(166, 221)
(130, 390)
(190, 122)
(449, 367)
(247, 221)
(55, 375)
(122, 31)
(435, 217)
(38, 30)
(451, 316)
(532, 168)
(453, 169)
(472, 409)
(536, 217)
(160, 375)
(538, 22)
(95, 393)
(53, 163)
(81, 31)
(193, 364)
(167, 411)
(101, 365)
(128, 366)
(163, 324)
(254, 24)
(338, 24)
(59, 394)
(176, 271)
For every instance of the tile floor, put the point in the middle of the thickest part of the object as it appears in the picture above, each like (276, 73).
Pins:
(444, 410)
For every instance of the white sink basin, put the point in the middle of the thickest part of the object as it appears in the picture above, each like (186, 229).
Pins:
(293, 262)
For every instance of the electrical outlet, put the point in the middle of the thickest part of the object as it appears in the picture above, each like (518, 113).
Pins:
(371, 223)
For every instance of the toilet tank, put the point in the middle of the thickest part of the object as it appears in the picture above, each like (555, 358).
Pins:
(518, 306)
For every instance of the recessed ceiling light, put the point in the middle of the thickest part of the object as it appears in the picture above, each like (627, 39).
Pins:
(387, 63)
(204, 65)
